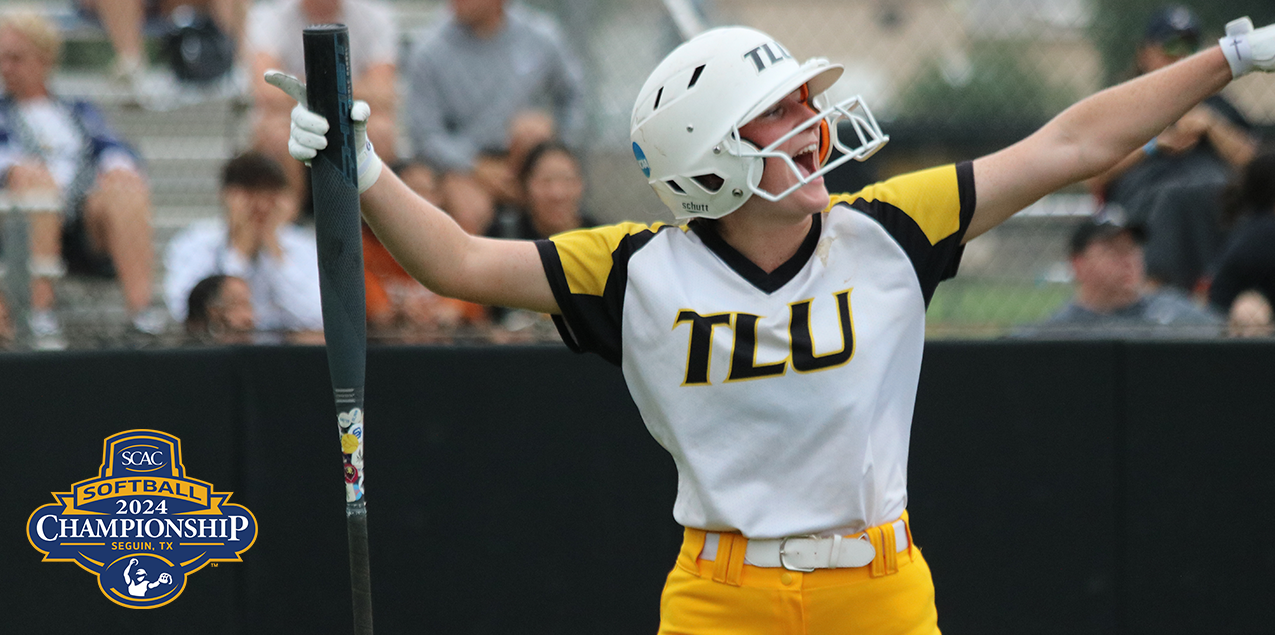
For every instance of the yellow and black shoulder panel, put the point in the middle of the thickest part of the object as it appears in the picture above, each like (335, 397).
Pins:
(588, 273)
(927, 213)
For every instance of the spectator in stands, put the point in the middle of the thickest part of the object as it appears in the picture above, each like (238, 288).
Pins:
(255, 241)
(421, 178)
(274, 42)
(1250, 316)
(1248, 259)
(219, 311)
(399, 307)
(527, 130)
(59, 154)
(554, 188)
(125, 21)
(469, 80)
(1173, 185)
(1112, 300)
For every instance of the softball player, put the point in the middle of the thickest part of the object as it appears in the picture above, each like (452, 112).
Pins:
(773, 342)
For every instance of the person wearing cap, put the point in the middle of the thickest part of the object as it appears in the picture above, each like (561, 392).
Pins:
(1112, 300)
(1173, 184)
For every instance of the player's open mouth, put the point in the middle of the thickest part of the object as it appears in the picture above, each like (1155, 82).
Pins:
(805, 160)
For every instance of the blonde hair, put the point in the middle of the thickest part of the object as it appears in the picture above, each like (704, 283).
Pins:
(38, 29)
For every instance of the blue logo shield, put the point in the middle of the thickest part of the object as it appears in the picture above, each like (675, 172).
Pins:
(641, 159)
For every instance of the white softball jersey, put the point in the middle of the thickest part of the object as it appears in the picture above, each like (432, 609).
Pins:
(785, 398)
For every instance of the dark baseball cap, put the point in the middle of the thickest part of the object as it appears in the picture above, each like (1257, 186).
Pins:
(1093, 230)
(1176, 27)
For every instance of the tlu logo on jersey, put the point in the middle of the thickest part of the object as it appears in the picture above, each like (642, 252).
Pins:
(141, 525)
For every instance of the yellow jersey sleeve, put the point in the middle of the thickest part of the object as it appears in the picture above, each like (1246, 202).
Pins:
(927, 213)
(588, 272)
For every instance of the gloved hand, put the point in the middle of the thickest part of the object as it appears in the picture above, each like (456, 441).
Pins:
(1247, 49)
(307, 130)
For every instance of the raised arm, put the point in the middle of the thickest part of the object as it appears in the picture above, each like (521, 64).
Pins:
(1091, 136)
(1098, 132)
(422, 238)
(437, 252)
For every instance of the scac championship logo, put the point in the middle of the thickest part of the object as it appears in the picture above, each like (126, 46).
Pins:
(141, 525)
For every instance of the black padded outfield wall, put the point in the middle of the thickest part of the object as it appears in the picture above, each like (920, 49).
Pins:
(1055, 488)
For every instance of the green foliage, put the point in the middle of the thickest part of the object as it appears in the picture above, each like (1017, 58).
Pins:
(1118, 26)
(996, 87)
(971, 307)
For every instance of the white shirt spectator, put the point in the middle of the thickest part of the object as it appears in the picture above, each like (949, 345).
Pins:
(61, 140)
(285, 292)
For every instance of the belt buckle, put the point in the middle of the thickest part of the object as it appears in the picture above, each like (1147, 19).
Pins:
(783, 563)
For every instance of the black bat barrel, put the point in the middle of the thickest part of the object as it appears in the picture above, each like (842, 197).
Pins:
(334, 176)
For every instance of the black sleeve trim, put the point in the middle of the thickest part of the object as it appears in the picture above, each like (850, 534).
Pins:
(590, 323)
(968, 194)
(552, 263)
(969, 201)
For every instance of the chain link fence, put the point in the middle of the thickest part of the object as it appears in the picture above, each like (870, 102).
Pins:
(948, 80)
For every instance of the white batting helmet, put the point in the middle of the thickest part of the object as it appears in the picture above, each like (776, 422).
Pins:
(685, 126)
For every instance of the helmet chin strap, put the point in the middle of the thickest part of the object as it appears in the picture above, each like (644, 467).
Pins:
(852, 109)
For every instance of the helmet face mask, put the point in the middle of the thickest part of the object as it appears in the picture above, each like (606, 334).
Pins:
(852, 110)
(686, 121)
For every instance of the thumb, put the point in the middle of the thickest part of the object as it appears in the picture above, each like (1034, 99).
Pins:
(359, 113)
(289, 84)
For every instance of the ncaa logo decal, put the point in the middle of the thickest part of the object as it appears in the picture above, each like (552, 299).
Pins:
(141, 525)
(641, 159)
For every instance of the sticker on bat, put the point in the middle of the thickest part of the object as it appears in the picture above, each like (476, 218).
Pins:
(351, 425)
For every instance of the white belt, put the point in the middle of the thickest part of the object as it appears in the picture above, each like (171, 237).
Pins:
(807, 553)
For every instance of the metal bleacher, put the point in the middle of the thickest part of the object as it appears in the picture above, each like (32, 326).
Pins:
(183, 149)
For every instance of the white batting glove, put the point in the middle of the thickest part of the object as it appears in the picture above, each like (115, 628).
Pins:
(306, 136)
(1247, 49)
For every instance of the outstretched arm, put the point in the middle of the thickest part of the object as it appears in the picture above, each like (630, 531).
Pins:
(422, 238)
(436, 251)
(1091, 136)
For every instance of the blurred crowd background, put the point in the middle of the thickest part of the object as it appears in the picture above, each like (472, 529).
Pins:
(179, 220)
